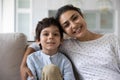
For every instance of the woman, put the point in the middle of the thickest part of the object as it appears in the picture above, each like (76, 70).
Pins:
(95, 56)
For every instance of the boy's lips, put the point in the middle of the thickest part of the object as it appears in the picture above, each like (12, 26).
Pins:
(50, 42)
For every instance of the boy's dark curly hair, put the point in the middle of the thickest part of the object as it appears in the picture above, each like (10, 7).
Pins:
(44, 23)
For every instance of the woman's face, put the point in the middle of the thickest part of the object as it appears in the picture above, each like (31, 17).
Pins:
(73, 24)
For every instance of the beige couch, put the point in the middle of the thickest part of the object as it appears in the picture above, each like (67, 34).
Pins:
(12, 48)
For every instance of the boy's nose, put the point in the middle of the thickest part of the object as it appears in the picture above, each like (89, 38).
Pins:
(51, 36)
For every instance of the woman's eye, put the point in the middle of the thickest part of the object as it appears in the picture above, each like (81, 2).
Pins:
(75, 18)
(65, 25)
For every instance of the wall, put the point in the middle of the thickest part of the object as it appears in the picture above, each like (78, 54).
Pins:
(39, 11)
(0, 15)
(8, 16)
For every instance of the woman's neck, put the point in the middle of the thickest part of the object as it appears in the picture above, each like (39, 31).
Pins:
(90, 36)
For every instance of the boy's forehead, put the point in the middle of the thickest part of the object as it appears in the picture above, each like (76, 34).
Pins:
(51, 28)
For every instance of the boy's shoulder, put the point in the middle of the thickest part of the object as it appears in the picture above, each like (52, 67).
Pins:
(63, 55)
(36, 53)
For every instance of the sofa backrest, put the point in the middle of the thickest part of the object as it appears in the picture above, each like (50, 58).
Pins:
(12, 48)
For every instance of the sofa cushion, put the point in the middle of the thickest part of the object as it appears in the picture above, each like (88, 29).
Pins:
(12, 48)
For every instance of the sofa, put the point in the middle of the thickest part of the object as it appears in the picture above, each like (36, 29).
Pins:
(12, 48)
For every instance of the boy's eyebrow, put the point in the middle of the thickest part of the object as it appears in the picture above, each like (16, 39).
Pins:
(57, 30)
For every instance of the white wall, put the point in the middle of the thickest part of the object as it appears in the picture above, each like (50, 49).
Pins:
(0, 15)
(39, 11)
(8, 16)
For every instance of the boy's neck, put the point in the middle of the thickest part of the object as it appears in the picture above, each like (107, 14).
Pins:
(50, 52)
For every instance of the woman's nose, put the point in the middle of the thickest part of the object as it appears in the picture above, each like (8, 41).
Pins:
(72, 25)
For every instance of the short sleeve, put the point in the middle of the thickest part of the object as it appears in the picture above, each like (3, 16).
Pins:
(68, 70)
(35, 46)
(31, 66)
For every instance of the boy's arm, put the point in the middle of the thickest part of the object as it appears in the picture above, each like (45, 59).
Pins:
(24, 70)
(68, 70)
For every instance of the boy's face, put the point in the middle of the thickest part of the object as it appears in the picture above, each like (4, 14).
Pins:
(50, 39)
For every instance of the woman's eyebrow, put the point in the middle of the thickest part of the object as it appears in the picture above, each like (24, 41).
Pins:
(64, 23)
(72, 15)
(69, 18)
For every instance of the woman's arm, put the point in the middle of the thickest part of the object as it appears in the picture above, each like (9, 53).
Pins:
(24, 70)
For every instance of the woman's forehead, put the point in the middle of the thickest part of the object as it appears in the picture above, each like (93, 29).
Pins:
(67, 15)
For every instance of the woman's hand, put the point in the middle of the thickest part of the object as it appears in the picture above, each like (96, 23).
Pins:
(25, 72)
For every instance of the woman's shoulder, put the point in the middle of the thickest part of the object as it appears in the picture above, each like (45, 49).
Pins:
(69, 40)
(111, 36)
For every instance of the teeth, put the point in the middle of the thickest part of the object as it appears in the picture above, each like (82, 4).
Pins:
(78, 30)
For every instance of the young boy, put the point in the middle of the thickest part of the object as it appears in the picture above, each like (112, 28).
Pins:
(48, 63)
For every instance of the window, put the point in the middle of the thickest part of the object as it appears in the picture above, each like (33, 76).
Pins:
(24, 18)
(28, 13)
(101, 22)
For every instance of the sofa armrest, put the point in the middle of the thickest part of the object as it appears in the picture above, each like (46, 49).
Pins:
(12, 48)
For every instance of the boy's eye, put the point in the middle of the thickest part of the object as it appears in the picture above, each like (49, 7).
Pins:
(45, 34)
(56, 34)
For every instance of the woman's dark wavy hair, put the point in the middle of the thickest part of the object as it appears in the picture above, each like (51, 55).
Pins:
(67, 8)
(44, 23)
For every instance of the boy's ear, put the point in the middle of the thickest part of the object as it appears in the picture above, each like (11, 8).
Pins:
(38, 41)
